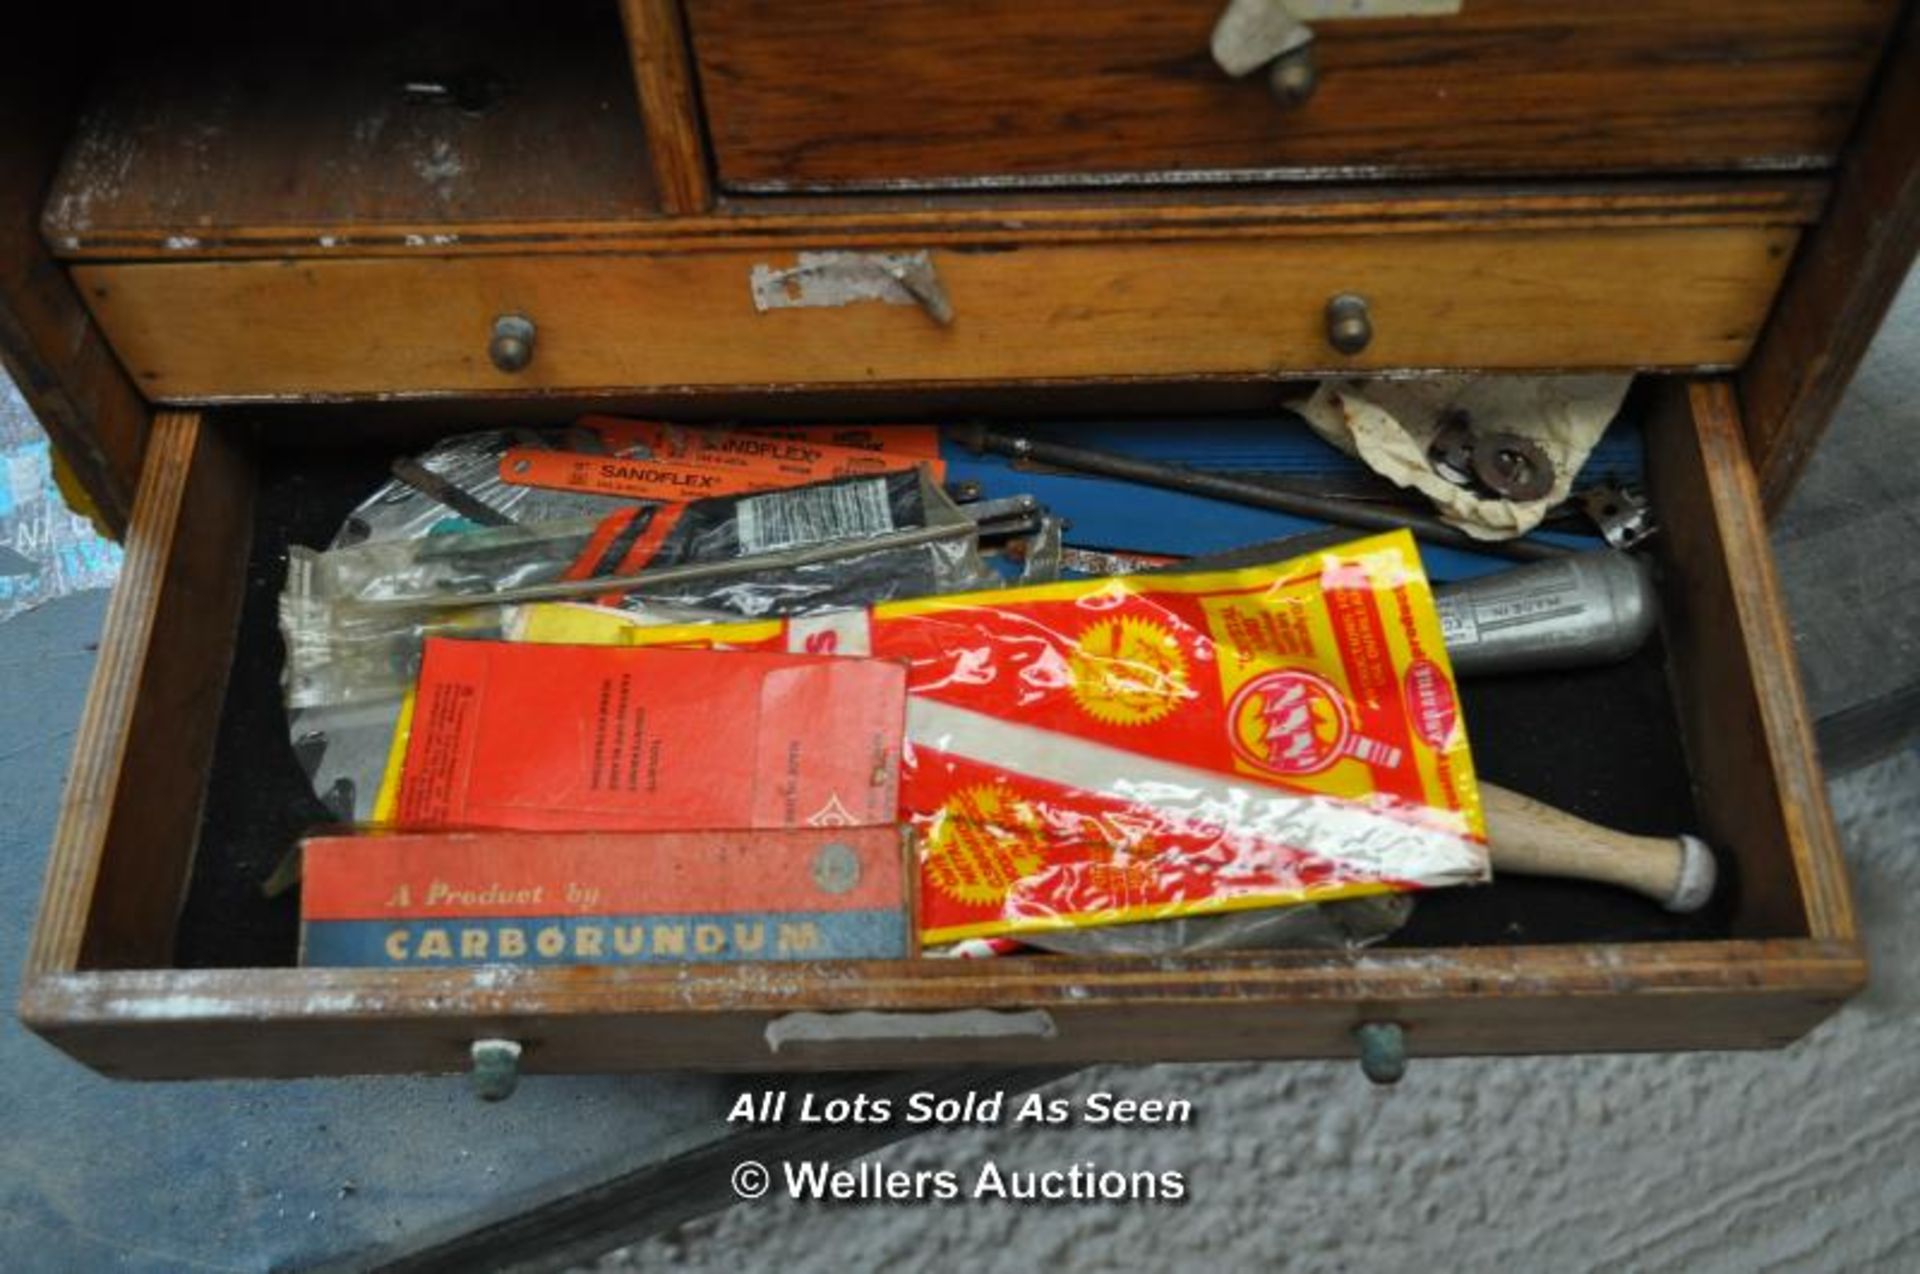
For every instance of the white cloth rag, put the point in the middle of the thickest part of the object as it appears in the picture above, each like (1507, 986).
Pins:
(1388, 424)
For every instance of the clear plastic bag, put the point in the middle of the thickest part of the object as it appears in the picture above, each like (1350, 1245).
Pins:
(406, 566)
(1344, 924)
(346, 680)
(470, 463)
(844, 542)
(353, 618)
(921, 545)
(345, 648)
(488, 470)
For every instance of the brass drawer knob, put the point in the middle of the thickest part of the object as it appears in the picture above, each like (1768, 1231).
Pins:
(496, 1068)
(1349, 324)
(1294, 76)
(1383, 1051)
(511, 348)
(1251, 34)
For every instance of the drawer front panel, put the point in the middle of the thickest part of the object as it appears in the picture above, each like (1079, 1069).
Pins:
(1673, 298)
(877, 94)
(280, 1023)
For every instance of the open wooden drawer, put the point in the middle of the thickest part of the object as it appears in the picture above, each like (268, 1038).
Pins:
(104, 981)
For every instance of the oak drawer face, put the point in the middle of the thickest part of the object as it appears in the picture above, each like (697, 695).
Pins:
(103, 982)
(1687, 297)
(898, 94)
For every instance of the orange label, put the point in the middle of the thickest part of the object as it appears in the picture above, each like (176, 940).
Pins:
(922, 442)
(619, 547)
(649, 460)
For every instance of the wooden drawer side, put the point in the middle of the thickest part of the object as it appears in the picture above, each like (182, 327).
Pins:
(1743, 713)
(130, 813)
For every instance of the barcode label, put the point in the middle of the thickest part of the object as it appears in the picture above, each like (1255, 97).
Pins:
(811, 515)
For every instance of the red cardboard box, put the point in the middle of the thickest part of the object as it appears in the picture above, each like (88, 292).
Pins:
(620, 739)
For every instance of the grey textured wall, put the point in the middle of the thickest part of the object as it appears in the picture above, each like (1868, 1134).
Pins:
(1802, 1159)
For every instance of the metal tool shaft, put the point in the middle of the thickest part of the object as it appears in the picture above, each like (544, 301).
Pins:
(692, 572)
(1219, 486)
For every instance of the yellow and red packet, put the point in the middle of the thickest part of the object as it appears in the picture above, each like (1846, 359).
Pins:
(1150, 746)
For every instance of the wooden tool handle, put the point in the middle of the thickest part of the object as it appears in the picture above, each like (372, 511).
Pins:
(1531, 839)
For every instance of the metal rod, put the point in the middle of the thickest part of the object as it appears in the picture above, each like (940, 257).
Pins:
(461, 501)
(1218, 486)
(783, 559)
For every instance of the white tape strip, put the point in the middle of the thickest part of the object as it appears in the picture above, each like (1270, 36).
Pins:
(832, 279)
(865, 1026)
(1342, 832)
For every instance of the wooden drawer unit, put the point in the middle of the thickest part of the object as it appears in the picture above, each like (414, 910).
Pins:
(223, 292)
(900, 94)
(287, 250)
(103, 984)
